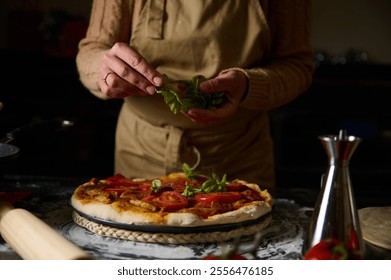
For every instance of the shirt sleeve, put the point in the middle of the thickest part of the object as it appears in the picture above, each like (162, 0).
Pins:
(288, 71)
(110, 22)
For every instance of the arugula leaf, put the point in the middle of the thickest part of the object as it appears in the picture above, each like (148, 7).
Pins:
(189, 190)
(214, 184)
(189, 173)
(171, 97)
(185, 94)
(156, 184)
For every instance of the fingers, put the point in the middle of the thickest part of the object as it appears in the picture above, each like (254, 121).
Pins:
(230, 81)
(233, 84)
(115, 87)
(214, 116)
(198, 118)
(130, 73)
(112, 85)
(135, 68)
(219, 83)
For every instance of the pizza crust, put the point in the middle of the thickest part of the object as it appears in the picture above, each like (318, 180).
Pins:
(134, 216)
(108, 213)
(245, 213)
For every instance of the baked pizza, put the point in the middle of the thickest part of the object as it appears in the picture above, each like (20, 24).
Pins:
(183, 199)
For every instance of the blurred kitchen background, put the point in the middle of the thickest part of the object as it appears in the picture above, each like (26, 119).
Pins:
(351, 90)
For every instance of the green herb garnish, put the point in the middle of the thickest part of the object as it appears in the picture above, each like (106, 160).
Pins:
(214, 184)
(186, 94)
(189, 173)
(189, 190)
(156, 184)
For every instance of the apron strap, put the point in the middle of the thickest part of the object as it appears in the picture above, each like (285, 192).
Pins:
(172, 156)
(176, 146)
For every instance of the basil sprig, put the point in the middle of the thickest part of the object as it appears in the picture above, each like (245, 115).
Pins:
(189, 173)
(214, 184)
(156, 185)
(186, 94)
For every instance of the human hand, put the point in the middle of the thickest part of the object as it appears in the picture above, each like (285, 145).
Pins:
(125, 72)
(234, 84)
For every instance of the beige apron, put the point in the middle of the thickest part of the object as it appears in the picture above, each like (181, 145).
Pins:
(150, 140)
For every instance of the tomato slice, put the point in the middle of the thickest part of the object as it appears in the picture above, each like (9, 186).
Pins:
(120, 180)
(119, 184)
(223, 197)
(235, 186)
(180, 185)
(144, 186)
(168, 200)
(116, 177)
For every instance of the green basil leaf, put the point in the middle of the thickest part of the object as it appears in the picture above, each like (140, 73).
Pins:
(156, 184)
(185, 94)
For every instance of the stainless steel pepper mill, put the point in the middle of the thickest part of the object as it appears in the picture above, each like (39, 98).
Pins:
(335, 214)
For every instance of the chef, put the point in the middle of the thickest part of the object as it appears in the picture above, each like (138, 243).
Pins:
(257, 52)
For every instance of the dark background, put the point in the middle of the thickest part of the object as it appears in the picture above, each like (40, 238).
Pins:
(351, 89)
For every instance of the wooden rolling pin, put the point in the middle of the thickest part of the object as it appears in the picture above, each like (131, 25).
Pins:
(33, 239)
